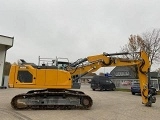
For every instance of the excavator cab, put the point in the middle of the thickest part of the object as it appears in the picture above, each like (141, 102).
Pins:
(62, 65)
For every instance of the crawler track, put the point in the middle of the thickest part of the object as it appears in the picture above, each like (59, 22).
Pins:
(55, 99)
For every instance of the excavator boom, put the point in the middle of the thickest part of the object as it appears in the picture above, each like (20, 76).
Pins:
(108, 60)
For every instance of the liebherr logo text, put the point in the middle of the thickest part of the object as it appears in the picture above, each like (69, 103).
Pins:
(22, 67)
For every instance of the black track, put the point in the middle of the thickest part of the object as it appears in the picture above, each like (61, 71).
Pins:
(36, 94)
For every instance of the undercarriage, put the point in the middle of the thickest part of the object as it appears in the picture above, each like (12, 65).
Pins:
(52, 99)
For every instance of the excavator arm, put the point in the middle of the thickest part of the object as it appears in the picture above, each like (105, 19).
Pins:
(92, 63)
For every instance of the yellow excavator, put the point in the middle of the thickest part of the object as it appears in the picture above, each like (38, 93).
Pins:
(55, 83)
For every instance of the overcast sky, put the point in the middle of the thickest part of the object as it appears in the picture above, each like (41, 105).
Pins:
(73, 28)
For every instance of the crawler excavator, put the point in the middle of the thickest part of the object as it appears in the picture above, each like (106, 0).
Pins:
(55, 84)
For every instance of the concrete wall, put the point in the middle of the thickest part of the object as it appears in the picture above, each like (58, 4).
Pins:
(5, 43)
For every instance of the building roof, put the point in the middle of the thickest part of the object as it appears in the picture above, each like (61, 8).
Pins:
(154, 74)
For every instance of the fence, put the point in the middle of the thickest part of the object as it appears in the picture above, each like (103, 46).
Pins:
(126, 83)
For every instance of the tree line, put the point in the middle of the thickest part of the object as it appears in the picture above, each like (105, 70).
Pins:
(7, 67)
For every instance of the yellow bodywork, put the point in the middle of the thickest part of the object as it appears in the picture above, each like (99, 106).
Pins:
(39, 78)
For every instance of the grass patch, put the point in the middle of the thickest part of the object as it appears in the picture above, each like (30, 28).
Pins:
(122, 89)
(158, 92)
(128, 90)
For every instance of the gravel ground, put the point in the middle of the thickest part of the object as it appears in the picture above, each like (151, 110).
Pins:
(107, 105)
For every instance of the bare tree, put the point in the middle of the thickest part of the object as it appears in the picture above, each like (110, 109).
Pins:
(158, 70)
(101, 74)
(152, 44)
(148, 41)
(134, 44)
